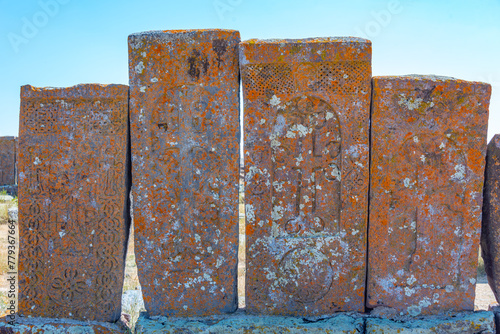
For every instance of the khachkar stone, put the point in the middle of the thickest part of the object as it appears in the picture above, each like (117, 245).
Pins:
(7, 161)
(73, 218)
(490, 235)
(307, 106)
(185, 159)
(427, 169)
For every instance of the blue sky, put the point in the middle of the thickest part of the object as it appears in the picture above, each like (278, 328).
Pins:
(66, 42)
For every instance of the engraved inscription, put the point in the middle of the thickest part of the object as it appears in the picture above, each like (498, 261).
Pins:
(431, 176)
(306, 178)
(193, 211)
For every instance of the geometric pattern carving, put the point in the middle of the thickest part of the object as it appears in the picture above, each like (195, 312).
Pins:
(73, 222)
(7, 160)
(306, 174)
(428, 152)
(185, 149)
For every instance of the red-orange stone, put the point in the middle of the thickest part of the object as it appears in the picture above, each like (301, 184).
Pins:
(307, 107)
(428, 150)
(184, 98)
(7, 161)
(73, 217)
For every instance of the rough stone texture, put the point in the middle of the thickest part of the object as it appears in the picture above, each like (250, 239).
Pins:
(53, 326)
(463, 323)
(428, 150)
(184, 102)
(73, 218)
(306, 172)
(239, 323)
(495, 308)
(490, 235)
(8, 160)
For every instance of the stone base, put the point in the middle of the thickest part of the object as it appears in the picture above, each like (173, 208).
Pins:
(467, 322)
(241, 323)
(46, 325)
(495, 308)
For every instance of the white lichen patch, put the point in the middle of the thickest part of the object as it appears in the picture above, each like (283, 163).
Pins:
(335, 172)
(139, 68)
(409, 291)
(408, 184)
(411, 103)
(249, 212)
(143, 89)
(415, 139)
(329, 115)
(411, 280)
(442, 145)
(449, 288)
(422, 158)
(277, 213)
(274, 101)
(37, 161)
(154, 80)
(459, 175)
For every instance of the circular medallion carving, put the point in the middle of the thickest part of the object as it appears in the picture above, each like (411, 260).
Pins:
(305, 274)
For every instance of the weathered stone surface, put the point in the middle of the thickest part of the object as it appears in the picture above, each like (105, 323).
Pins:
(239, 323)
(463, 323)
(185, 159)
(428, 149)
(52, 326)
(490, 235)
(495, 308)
(306, 171)
(73, 218)
(7, 160)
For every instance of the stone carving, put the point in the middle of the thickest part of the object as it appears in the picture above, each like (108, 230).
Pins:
(306, 171)
(428, 148)
(73, 191)
(185, 149)
(8, 160)
(490, 234)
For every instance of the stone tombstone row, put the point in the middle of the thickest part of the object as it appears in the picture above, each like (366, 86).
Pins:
(307, 174)
(73, 199)
(8, 147)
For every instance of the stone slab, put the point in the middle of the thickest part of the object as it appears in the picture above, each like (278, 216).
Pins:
(53, 326)
(495, 308)
(427, 169)
(490, 234)
(73, 194)
(240, 323)
(8, 160)
(184, 102)
(463, 323)
(307, 106)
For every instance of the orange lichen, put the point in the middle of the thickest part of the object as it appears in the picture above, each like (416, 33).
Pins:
(428, 147)
(306, 174)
